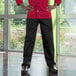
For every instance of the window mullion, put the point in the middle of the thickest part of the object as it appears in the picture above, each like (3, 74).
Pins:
(20, 16)
(6, 28)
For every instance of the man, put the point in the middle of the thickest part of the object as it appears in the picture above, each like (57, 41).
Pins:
(38, 12)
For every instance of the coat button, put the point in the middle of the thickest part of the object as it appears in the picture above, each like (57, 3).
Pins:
(37, 10)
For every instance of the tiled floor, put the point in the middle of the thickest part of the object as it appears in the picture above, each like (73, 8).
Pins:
(10, 65)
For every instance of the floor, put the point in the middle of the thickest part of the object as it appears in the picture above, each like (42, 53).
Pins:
(67, 66)
(10, 65)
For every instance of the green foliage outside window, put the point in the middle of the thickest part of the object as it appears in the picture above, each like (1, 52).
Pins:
(1, 33)
(1, 6)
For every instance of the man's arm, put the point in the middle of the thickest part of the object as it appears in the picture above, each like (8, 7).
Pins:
(19, 2)
(56, 3)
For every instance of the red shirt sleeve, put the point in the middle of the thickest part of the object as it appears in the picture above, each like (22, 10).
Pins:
(58, 2)
(19, 2)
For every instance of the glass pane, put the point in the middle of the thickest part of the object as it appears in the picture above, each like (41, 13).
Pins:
(18, 33)
(1, 64)
(2, 6)
(68, 36)
(17, 9)
(68, 7)
(1, 33)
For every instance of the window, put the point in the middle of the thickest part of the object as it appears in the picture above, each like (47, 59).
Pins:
(67, 22)
(1, 33)
(13, 27)
(1, 7)
(1, 23)
(17, 33)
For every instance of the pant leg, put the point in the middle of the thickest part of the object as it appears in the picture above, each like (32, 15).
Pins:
(47, 38)
(31, 28)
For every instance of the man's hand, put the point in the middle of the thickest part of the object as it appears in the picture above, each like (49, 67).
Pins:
(51, 7)
(29, 8)
(26, 8)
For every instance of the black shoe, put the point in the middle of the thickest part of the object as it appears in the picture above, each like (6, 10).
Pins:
(53, 70)
(24, 71)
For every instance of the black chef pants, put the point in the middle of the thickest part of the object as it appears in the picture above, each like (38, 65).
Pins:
(47, 38)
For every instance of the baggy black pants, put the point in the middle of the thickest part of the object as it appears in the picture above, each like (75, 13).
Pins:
(47, 39)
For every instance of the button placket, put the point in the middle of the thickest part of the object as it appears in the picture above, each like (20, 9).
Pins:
(37, 7)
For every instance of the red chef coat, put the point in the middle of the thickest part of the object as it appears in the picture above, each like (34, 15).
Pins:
(40, 11)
